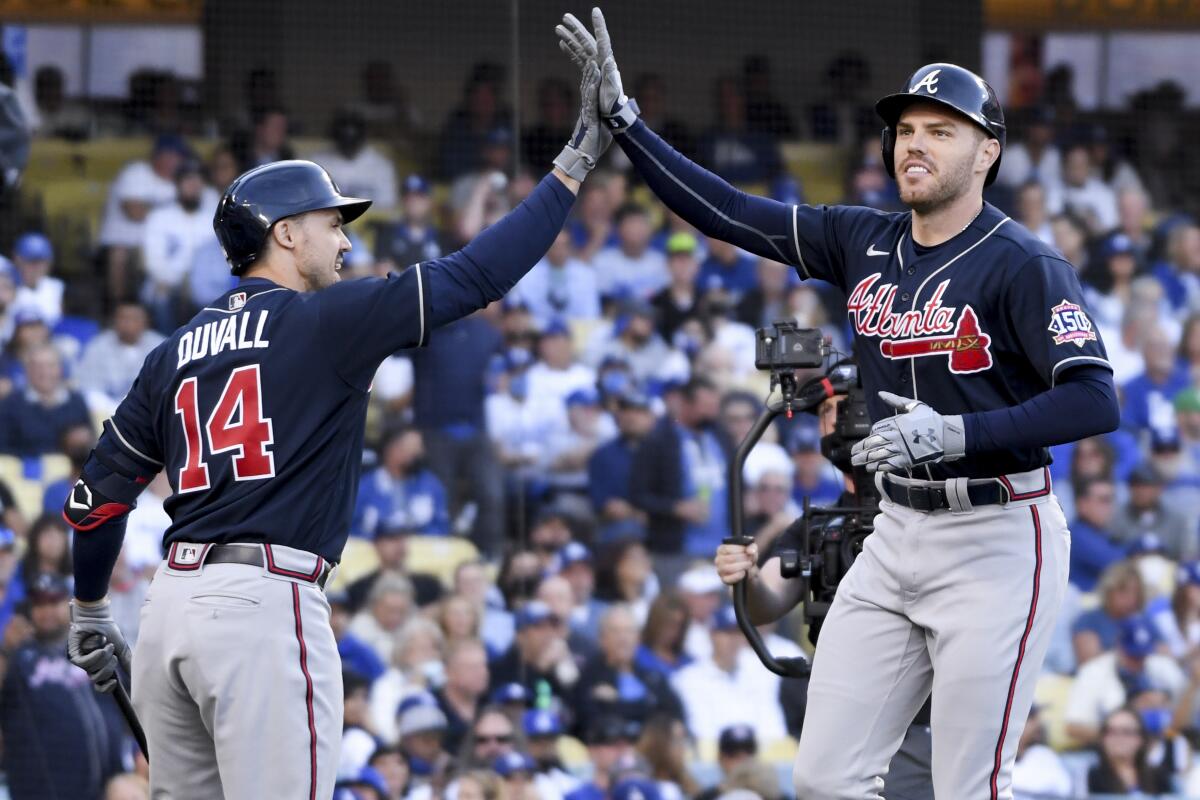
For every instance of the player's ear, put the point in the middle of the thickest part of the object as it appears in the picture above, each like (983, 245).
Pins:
(986, 154)
(286, 231)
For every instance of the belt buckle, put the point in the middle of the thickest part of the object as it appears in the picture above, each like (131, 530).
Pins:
(925, 503)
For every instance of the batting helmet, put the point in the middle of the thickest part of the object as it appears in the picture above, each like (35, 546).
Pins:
(259, 198)
(946, 85)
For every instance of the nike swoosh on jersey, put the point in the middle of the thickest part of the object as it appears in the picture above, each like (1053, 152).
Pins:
(871, 251)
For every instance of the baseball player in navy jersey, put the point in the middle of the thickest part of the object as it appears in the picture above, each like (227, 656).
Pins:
(255, 409)
(977, 353)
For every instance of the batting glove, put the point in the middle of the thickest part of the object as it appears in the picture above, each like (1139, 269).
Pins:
(590, 139)
(617, 110)
(917, 435)
(91, 625)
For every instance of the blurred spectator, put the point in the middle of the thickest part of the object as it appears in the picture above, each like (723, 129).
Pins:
(448, 409)
(729, 687)
(665, 747)
(650, 90)
(1094, 545)
(1122, 596)
(363, 784)
(267, 142)
(33, 257)
(680, 299)
(1177, 618)
(8, 295)
(146, 525)
(845, 116)
(222, 168)
(172, 234)
(391, 550)
(389, 606)
(1147, 398)
(139, 188)
(556, 374)
(767, 301)
(478, 113)
(728, 269)
(764, 112)
(58, 116)
(516, 771)
(76, 444)
(415, 237)
(1032, 211)
(416, 667)
(1071, 239)
(814, 477)
(385, 104)
(559, 287)
(421, 726)
(1083, 192)
(360, 170)
(679, 476)
(870, 184)
(1035, 158)
(1110, 283)
(729, 148)
(1187, 416)
(1123, 769)
(1105, 683)
(736, 745)
(464, 691)
(480, 784)
(1179, 270)
(1146, 513)
(613, 682)
(358, 738)
(608, 741)
(1111, 167)
(208, 277)
(49, 714)
(401, 492)
(112, 359)
(591, 224)
(357, 656)
(738, 412)
(556, 119)
(520, 422)
(610, 469)
(543, 730)
(493, 733)
(1039, 771)
(32, 420)
(635, 342)
(392, 765)
(30, 333)
(471, 581)
(458, 618)
(624, 574)
(1167, 752)
(480, 197)
(539, 654)
(573, 563)
(702, 592)
(661, 648)
(774, 507)
(1133, 213)
(631, 265)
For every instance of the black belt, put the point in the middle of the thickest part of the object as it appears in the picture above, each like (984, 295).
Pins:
(934, 498)
(252, 556)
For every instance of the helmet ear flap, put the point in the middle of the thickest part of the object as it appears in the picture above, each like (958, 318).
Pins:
(887, 141)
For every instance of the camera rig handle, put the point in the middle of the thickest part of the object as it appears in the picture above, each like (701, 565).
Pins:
(784, 667)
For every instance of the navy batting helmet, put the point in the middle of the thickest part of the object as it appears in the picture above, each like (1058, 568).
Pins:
(946, 85)
(259, 198)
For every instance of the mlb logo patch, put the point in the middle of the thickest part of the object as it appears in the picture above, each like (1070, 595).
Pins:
(1070, 323)
(186, 554)
(237, 300)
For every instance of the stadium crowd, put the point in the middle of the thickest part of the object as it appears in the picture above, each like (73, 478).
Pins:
(571, 442)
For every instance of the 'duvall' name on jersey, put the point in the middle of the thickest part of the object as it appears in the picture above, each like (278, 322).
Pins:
(230, 333)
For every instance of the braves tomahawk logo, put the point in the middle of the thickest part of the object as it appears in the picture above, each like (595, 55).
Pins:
(932, 329)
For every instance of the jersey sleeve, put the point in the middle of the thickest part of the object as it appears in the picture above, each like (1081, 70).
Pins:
(821, 235)
(1048, 317)
(364, 321)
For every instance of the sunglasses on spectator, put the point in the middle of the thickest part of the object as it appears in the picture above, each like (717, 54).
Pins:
(503, 738)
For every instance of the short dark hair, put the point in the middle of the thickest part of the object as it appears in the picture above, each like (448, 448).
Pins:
(1083, 487)
(696, 385)
(630, 209)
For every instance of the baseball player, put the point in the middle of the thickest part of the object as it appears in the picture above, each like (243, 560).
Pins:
(255, 409)
(977, 353)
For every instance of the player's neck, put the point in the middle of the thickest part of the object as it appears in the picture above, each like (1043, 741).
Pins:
(942, 225)
(287, 278)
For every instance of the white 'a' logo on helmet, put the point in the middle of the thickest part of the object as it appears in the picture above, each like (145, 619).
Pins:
(929, 82)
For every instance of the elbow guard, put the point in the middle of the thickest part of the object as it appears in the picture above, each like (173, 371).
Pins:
(107, 488)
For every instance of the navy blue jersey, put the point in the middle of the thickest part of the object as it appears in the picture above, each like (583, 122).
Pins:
(256, 407)
(987, 320)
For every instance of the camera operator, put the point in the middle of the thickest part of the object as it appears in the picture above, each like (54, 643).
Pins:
(770, 595)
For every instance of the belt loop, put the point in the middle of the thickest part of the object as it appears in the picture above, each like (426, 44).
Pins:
(957, 496)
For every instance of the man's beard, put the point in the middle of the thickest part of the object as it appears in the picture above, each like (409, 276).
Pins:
(955, 185)
(189, 204)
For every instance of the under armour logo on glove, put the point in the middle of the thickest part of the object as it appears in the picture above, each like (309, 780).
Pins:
(909, 438)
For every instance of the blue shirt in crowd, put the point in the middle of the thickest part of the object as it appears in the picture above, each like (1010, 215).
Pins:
(415, 503)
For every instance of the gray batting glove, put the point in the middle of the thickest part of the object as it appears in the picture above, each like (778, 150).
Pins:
(617, 110)
(917, 435)
(95, 644)
(590, 139)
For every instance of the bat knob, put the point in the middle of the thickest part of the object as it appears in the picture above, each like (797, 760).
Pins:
(93, 642)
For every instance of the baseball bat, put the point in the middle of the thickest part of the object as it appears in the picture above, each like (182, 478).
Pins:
(120, 694)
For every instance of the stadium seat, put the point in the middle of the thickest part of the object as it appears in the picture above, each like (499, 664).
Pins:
(819, 167)
(439, 555)
(27, 491)
(1050, 695)
(780, 751)
(572, 753)
(358, 559)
